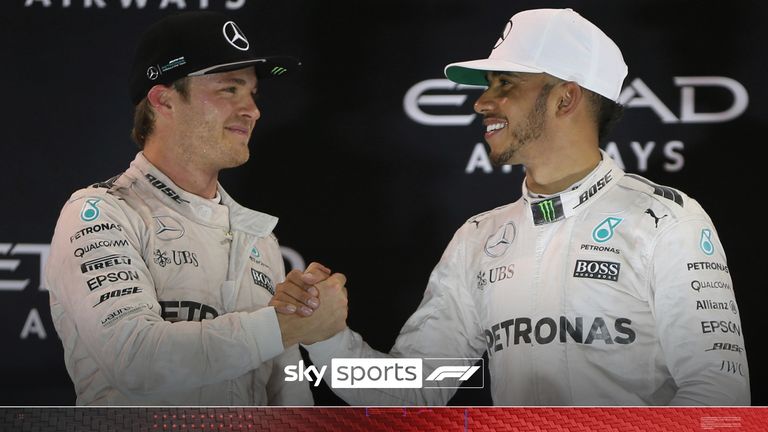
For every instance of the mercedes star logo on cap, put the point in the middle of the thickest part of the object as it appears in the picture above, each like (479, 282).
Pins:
(504, 33)
(235, 36)
(153, 73)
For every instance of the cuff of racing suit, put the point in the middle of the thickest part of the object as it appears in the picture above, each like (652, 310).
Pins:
(322, 352)
(264, 329)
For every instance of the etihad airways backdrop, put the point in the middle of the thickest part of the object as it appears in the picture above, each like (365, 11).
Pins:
(370, 158)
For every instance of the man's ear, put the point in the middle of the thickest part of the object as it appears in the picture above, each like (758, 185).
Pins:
(160, 98)
(570, 96)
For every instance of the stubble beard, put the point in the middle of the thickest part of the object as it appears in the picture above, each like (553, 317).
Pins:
(523, 134)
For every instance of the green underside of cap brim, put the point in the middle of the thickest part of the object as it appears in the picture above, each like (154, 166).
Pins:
(464, 75)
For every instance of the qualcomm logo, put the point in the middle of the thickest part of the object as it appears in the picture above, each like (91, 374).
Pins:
(636, 95)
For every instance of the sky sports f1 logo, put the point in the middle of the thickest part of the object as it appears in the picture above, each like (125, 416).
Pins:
(393, 373)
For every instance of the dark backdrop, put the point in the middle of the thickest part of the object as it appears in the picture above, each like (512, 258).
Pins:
(365, 175)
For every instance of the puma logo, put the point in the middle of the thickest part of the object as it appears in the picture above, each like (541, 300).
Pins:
(653, 215)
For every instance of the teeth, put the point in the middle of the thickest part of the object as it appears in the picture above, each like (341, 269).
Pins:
(495, 126)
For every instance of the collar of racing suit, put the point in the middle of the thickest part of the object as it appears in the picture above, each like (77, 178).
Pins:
(566, 204)
(229, 215)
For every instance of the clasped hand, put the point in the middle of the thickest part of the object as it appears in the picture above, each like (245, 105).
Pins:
(311, 305)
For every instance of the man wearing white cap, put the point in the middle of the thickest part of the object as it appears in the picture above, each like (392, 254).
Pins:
(596, 287)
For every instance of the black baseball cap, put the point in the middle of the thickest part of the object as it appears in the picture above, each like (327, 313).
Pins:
(197, 43)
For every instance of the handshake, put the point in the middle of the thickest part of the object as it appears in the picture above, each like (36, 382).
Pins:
(302, 317)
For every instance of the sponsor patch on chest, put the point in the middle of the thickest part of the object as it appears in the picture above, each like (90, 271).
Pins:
(262, 280)
(603, 270)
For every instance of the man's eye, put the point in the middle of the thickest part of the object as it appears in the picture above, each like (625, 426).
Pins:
(232, 90)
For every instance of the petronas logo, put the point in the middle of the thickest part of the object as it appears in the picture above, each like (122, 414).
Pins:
(605, 229)
(277, 70)
(706, 242)
(90, 211)
(547, 209)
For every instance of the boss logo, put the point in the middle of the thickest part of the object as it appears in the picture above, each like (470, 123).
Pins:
(604, 270)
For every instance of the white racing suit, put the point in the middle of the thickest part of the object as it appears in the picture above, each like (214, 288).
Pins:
(616, 292)
(160, 297)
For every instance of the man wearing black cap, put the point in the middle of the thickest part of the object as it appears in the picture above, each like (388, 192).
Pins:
(159, 281)
(596, 287)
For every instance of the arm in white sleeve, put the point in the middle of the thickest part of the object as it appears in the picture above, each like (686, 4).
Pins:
(697, 316)
(281, 392)
(445, 325)
(117, 317)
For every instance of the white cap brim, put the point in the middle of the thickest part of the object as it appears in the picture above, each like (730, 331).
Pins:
(474, 72)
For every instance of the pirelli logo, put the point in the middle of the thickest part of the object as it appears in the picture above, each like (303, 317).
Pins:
(104, 262)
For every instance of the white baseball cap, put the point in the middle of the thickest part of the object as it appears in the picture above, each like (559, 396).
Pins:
(559, 42)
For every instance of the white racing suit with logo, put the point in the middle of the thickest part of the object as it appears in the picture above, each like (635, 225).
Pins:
(616, 292)
(160, 297)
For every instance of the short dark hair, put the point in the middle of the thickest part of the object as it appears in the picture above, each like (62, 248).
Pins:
(144, 115)
(606, 112)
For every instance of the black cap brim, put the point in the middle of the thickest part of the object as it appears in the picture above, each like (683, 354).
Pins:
(267, 67)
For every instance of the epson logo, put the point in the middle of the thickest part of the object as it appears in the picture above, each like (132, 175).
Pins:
(720, 326)
(636, 95)
(121, 276)
(162, 187)
(104, 262)
(603, 270)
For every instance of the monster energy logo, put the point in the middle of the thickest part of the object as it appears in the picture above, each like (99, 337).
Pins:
(277, 70)
(547, 210)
